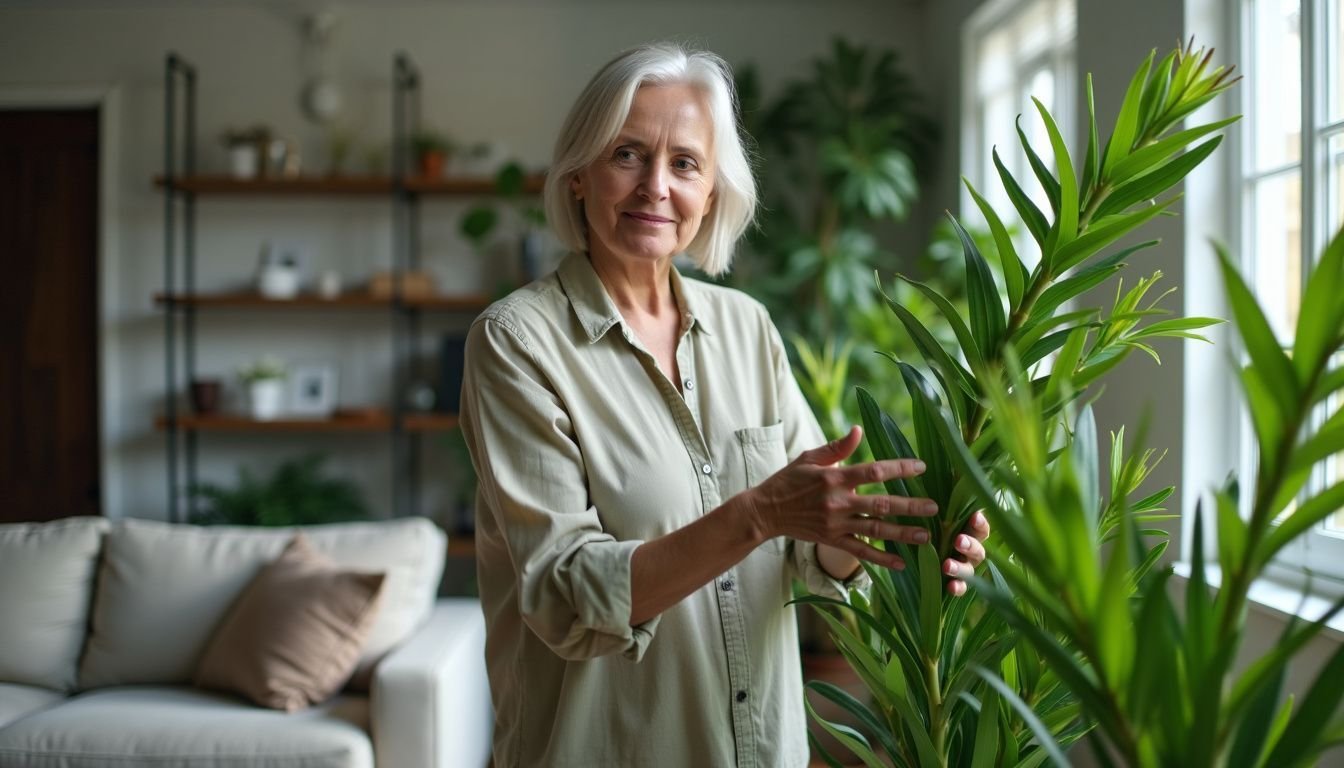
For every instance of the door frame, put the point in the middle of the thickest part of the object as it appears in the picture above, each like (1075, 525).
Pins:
(106, 98)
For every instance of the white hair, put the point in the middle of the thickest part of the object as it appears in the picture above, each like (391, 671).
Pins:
(601, 111)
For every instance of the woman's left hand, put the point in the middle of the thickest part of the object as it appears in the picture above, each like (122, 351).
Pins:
(972, 553)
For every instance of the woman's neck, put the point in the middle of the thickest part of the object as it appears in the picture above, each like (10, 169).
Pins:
(642, 289)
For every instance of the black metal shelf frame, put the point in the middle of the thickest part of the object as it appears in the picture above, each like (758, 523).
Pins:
(179, 160)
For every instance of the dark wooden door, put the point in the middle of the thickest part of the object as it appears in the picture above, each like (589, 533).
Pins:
(49, 462)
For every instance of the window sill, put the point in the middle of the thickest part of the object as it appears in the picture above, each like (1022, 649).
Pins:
(1280, 596)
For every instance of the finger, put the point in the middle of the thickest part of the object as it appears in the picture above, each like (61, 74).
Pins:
(881, 471)
(956, 588)
(874, 528)
(971, 548)
(870, 553)
(835, 451)
(885, 506)
(957, 569)
(978, 526)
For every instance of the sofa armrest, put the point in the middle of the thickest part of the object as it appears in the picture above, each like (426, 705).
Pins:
(430, 705)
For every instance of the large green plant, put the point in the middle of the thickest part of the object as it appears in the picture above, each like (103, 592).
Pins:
(295, 493)
(943, 671)
(1184, 704)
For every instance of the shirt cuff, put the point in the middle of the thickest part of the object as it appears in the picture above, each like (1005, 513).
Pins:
(818, 581)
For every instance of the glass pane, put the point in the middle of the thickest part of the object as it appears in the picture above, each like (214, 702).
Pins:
(1276, 84)
(1333, 204)
(1276, 228)
(1335, 466)
(1334, 59)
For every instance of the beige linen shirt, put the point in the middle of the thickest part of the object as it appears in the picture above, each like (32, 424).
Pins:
(585, 450)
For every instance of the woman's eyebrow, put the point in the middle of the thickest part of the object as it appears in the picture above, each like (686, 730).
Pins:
(680, 149)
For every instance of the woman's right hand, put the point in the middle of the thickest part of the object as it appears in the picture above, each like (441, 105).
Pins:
(813, 499)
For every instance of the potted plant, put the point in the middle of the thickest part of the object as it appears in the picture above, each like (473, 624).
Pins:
(430, 150)
(295, 493)
(264, 381)
(953, 682)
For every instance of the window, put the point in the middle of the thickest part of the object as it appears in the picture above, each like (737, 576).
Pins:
(1291, 170)
(1014, 50)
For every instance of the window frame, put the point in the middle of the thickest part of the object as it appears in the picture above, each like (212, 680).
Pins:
(1317, 557)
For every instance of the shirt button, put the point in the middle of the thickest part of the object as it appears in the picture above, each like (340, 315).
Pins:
(741, 696)
(706, 469)
(727, 585)
(689, 384)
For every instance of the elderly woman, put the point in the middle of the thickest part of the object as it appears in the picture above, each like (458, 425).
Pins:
(651, 479)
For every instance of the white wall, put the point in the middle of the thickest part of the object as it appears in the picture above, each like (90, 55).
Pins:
(504, 71)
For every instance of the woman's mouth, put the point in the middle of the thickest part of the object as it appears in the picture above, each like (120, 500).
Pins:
(647, 218)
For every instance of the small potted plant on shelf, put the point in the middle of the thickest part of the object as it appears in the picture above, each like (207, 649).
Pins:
(264, 379)
(431, 150)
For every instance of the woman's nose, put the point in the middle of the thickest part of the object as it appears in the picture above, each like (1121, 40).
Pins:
(653, 184)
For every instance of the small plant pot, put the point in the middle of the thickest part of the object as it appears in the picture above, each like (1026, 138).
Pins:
(244, 161)
(432, 164)
(205, 396)
(266, 399)
(278, 282)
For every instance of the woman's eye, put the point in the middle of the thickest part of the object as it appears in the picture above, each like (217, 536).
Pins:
(625, 155)
(684, 164)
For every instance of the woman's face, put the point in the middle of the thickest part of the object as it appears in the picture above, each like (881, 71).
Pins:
(645, 195)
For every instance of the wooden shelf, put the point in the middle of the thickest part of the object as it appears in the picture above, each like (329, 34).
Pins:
(374, 420)
(251, 300)
(429, 422)
(339, 186)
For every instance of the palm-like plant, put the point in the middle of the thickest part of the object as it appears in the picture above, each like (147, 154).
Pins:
(943, 673)
(1182, 704)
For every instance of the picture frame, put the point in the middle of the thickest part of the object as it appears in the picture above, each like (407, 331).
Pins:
(312, 390)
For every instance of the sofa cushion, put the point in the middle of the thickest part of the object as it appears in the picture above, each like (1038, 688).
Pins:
(46, 588)
(164, 588)
(294, 636)
(161, 726)
(17, 701)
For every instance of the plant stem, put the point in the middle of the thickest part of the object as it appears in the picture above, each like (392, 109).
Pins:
(937, 721)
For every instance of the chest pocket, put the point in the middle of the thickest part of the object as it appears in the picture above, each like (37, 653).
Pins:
(762, 456)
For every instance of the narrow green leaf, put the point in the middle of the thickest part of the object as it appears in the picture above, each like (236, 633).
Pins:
(1233, 536)
(1031, 215)
(880, 442)
(937, 475)
(1331, 382)
(1327, 441)
(933, 353)
(820, 749)
(1198, 613)
(982, 295)
(1313, 511)
(969, 347)
(1261, 344)
(1086, 465)
(850, 738)
(1014, 274)
(1126, 123)
(1301, 739)
(1278, 656)
(1066, 226)
(1155, 182)
(1093, 144)
(1044, 739)
(1248, 747)
(1076, 285)
(1174, 327)
(1155, 93)
(930, 599)
(1276, 731)
(1150, 156)
(860, 711)
(1102, 233)
(986, 731)
(1039, 168)
(1321, 313)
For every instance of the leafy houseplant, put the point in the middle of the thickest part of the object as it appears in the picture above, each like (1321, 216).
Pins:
(943, 672)
(1183, 704)
(296, 493)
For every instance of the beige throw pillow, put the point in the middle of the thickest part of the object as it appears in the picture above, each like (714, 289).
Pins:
(294, 635)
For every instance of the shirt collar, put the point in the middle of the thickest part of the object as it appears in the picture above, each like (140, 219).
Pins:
(597, 313)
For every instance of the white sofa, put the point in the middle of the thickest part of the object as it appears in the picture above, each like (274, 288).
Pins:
(102, 624)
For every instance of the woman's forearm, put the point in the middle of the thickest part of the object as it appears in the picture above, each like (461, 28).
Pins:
(837, 563)
(663, 571)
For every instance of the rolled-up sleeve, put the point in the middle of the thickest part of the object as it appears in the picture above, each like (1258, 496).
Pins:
(572, 577)
(801, 433)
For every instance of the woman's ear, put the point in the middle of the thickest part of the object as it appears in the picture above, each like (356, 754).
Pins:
(576, 186)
